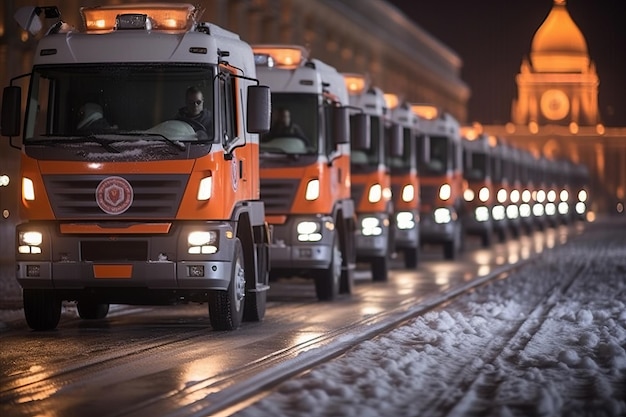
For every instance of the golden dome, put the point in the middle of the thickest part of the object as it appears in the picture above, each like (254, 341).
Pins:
(558, 44)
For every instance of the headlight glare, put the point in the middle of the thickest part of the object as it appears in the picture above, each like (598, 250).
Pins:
(205, 189)
(375, 193)
(31, 238)
(445, 191)
(312, 190)
(408, 193)
(28, 189)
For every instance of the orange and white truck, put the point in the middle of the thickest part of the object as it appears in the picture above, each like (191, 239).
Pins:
(405, 184)
(305, 170)
(441, 177)
(371, 176)
(126, 198)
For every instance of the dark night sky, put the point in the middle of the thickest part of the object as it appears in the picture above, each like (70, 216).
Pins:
(492, 37)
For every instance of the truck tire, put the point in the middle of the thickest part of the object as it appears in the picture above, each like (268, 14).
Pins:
(411, 257)
(346, 283)
(42, 309)
(255, 305)
(226, 306)
(380, 268)
(327, 281)
(486, 239)
(380, 264)
(450, 250)
(88, 310)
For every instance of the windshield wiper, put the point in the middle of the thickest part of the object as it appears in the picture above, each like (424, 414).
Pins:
(175, 144)
(105, 143)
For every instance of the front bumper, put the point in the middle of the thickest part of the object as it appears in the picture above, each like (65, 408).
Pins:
(372, 242)
(149, 261)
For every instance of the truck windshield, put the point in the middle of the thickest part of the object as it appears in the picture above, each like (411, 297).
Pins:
(402, 164)
(372, 156)
(127, 102)
(294, 128)
(434, 158)
(475, 166)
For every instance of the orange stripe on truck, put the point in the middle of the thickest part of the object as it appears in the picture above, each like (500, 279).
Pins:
(112, 271)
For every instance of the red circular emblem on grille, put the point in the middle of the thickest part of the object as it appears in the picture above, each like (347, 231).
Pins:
(114, 195)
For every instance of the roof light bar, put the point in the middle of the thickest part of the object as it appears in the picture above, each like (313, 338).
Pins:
(425, 111)
(355, 83)
(176, 17)
(288, 57)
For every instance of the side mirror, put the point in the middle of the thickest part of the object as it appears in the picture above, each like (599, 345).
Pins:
(258, 108)
(11, 108)
(425, 140)
(396, 140)
(341, 125)
(361, 132)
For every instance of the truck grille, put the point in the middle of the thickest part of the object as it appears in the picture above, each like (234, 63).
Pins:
(154, 196)
(428, 193)
(278, 194)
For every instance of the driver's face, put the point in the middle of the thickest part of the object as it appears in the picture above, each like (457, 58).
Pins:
(195, 103)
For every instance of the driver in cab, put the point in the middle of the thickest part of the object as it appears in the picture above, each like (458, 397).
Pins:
(194, 112)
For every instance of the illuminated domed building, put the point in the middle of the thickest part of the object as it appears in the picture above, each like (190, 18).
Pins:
(559, 85)
(556, 110)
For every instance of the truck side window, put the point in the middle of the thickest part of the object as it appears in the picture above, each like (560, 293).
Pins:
(227, 108)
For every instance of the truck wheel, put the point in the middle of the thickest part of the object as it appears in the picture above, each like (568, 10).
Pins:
(486, 239)
(449, 249)
(255, 303)
(226, 307)
(327, 281)
(380, 264)
(380, 268)
(411, 257)
(42, 309)
(88, 310)
(348, 257)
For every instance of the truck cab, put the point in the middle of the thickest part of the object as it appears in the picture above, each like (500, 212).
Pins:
(305, 170)
(478, 193)
(124, 198)
(371, 177)
(405, 183)
(441, 176)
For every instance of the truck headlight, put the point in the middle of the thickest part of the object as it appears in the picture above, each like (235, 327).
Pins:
(408, 193)
(28, 189)
(202, 242)
(30, 242)
(498, 212)
(468, 195)
(312, 190)
(512, 212)
(501, 196)
(405, 220)
(370, 226)
(515, 196)
(445, 191)
(375, 193)
(205, 189)
(309, 231)
(442, 215)
(481, 214)
(483, 194)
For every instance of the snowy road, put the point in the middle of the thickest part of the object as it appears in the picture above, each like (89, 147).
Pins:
(548, 340)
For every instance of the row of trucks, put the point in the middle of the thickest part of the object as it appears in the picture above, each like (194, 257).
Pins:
(164, 161)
